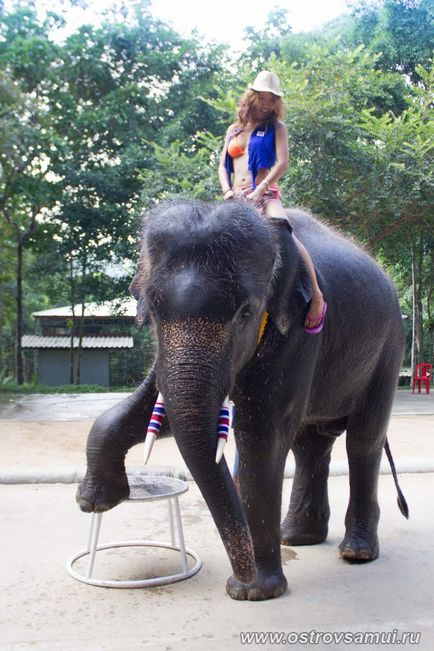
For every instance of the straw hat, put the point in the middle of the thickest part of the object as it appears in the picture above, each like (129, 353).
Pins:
(267, 82)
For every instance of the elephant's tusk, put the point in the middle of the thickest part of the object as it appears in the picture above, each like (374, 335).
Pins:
(220, 449)
(157, 418)
(154, 426)
(149, 444)
(222, 430)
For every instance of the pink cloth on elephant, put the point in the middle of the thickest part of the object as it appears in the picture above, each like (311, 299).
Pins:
(271, 194)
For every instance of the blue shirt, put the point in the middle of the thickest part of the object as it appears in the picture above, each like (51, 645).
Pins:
(261, 151)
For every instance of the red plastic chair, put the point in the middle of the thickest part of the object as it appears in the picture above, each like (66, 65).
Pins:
(422, 373)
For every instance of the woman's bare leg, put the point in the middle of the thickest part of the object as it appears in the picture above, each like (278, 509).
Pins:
(275, 208)
(315, 313)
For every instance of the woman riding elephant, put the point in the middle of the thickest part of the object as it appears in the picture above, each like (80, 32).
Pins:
(256, 153)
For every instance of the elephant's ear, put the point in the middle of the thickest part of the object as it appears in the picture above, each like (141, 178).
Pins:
(137, 289)
(291, 288)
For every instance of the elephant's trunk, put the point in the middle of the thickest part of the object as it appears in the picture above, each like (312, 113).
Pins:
(194, 386)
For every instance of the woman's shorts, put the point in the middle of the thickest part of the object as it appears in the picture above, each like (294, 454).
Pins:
(272, 194)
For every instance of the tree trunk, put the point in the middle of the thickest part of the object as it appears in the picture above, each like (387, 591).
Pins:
(80, 343)
(419, 302)
(22, 238)
(430, 307)
(2, 303)
(71, 323)
(19, 311)
(417, 329)
(413, 316)
(81, 320)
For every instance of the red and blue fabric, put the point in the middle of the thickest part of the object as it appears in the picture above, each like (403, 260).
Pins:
(157, 418)
(223, 422)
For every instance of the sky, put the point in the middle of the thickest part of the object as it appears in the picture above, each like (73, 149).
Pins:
(222, 21)
(225, 20)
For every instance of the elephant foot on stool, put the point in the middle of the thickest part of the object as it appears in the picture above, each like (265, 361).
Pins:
(304, 529)
(265, 586)
(359, 545)
(97, 494)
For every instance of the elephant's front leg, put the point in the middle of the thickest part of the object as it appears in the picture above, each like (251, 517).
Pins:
(113, 433)
(262, 463)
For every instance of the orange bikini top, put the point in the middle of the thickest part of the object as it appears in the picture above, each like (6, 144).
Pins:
(235, 149)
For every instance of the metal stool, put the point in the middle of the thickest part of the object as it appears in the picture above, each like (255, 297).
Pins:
(142, 489)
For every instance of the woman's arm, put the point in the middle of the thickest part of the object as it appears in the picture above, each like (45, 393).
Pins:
(282, 155)
(223, 175)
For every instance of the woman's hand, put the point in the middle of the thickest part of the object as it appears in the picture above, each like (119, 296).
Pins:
(257, 192)
(229, 195)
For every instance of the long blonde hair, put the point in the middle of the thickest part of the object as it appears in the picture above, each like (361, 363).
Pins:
(247, 105)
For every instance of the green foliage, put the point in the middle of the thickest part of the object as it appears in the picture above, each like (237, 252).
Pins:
(401, 150)
(326, 95)
(25, 49)
(400, 31)
(183, 171)
(268, 42)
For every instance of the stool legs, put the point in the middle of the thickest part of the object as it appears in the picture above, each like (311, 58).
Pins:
(174, 517)
(177, 519)
(180, 535)
(95, 526)
(167, 488)
(172, 528)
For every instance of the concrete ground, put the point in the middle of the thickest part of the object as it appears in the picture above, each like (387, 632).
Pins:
(43, 608)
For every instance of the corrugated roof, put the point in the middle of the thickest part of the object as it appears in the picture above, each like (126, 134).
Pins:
(121, 307)
(38, 341)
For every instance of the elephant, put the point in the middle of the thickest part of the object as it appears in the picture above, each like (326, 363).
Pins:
(209, 274)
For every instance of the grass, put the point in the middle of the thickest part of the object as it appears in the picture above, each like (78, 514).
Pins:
(12, 387)
(9, 386)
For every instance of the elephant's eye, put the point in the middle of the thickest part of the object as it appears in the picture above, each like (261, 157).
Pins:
(246, 312)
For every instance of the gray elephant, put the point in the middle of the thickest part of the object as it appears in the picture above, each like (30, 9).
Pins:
(208, 273)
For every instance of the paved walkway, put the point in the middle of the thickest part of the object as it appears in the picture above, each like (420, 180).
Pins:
(43, 438)
(56, 406)
(82, 406)
(43, 609)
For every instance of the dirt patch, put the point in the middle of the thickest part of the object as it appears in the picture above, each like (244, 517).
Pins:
(27, 443)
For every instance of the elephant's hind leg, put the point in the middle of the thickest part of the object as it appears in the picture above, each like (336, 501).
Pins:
(361, 521)
(306, 522)
(366, 435)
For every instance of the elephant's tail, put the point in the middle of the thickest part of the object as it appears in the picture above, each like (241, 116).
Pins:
(402, 502)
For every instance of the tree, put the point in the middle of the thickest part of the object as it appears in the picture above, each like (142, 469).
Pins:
(327, 93)
(266, 43)
(25, 139)
(180, 173)
(119, 84)
(399, 193)
(400, 31)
